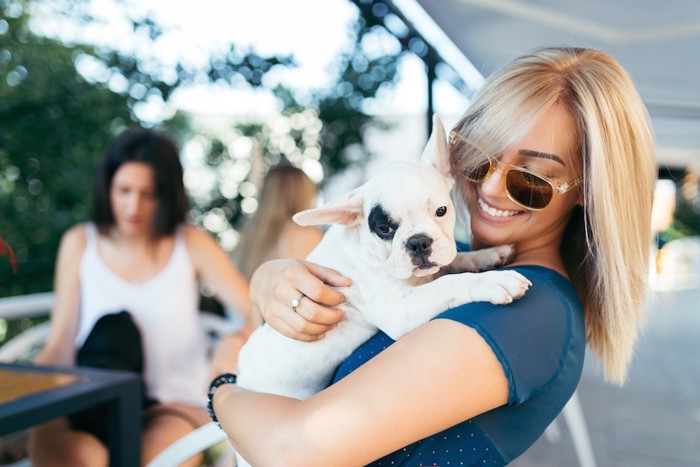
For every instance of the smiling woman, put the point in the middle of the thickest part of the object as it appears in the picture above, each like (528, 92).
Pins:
(560, 164)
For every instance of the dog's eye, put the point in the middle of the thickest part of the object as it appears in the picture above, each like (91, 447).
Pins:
(381, 224)
(441, 211)
(385, 231)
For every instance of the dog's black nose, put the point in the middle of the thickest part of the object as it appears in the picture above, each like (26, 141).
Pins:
(419, 245)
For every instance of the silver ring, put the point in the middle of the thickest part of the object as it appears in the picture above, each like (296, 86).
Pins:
(296, 302)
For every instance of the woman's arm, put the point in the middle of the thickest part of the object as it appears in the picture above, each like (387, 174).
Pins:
(65, 313)
(298, 241)
(213, 267)
(433, 378)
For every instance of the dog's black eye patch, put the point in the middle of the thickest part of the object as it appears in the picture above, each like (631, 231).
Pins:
(381, 224)
(441, 211)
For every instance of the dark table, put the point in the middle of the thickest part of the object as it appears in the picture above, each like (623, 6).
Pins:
(30, 395)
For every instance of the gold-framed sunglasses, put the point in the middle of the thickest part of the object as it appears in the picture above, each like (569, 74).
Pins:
(522, 186)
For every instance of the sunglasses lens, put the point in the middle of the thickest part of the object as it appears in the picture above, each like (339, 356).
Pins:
(479, 173)
(528, 189)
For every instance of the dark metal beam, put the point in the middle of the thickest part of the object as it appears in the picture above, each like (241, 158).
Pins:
(414, 42)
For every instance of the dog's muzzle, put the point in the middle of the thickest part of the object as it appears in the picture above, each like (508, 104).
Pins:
(419, 250)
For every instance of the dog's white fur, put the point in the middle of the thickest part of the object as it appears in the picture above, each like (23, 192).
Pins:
(395, 287)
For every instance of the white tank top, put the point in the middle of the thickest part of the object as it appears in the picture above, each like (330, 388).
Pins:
(165, 309)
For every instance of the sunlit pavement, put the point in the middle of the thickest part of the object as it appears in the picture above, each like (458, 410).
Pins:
(655, 419)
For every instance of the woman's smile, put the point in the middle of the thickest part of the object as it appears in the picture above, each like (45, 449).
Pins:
(491, 211)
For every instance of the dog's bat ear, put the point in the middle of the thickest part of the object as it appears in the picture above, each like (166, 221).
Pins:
(436, 152)
(346, 210)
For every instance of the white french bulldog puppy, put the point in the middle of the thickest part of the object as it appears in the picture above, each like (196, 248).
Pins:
(393, 236)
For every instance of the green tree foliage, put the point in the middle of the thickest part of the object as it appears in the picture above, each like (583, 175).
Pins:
(55, 122)
(54, 125)
(686, 217)
(340, 109)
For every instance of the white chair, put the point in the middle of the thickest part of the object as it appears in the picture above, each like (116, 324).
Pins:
(204, 437)
(24, 346)
(576, 423)
(25, 306)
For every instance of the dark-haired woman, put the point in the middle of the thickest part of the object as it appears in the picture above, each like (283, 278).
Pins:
(138, 254)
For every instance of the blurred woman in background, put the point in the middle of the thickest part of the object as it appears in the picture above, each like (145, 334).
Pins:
(271, 233)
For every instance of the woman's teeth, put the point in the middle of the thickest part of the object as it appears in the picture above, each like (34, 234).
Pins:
(491, 211)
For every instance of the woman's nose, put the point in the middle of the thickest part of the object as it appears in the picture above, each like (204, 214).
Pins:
(133, 204)
(493, 185)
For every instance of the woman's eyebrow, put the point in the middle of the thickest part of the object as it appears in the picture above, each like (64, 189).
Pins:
(543, 155)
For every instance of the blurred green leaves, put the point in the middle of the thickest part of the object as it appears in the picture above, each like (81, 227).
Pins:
(61, 102)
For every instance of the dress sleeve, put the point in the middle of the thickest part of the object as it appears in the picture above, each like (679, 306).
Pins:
(531, 337)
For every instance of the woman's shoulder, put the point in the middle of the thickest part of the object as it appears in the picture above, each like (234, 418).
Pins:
(73, 246)
(199, 243)
(549, 303)
(193, 235)
(536, 335)
(307, 231)
(544, 275)
(75, 238)
(297, 241)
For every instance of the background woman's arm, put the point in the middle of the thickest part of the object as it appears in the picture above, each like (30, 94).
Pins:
(214, 267)
(65, 313)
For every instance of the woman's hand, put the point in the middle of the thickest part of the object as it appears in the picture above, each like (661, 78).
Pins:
(276, 284)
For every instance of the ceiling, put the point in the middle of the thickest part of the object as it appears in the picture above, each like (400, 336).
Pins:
(658, 42)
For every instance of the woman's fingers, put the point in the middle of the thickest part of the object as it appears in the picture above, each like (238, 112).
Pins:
(328, 276)
(277, 284)
(312, 312)
(309, 318)
(299, 329)
(314, 281)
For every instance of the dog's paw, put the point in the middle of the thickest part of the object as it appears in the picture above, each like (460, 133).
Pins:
(504, 254)
(501, 287)
(483, 260)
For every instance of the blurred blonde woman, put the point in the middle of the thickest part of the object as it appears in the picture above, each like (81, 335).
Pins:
(271, 233)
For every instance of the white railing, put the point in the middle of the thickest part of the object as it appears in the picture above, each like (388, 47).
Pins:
(26, 306)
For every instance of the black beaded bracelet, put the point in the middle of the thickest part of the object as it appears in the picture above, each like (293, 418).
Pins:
(226, 378)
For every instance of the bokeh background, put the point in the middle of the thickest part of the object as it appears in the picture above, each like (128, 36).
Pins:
(336, 87)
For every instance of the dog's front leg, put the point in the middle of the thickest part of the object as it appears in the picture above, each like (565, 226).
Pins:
(481, 260)
(413, 306)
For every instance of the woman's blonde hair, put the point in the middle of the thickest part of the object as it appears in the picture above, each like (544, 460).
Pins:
(286, 190)
(606, 246)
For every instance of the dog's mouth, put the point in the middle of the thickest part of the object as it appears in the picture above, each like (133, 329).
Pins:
(426, 269)
(427, 265)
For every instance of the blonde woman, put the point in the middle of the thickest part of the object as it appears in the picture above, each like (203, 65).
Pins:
(554, 155)
(271, 233)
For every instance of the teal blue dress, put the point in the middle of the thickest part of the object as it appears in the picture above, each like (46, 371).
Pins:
(540, 341)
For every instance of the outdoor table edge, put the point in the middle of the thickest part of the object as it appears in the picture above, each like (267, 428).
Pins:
(79, 395)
